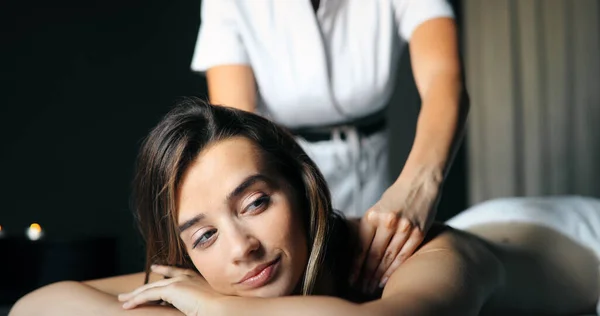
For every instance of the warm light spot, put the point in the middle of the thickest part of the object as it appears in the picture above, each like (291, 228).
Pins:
(34, 232)
(35, 227)
(0, 228)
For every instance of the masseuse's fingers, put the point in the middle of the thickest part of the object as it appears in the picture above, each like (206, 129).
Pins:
(161, 283)
(382, 238)
(171, 272)
(366, 231)
(411, 245)
(386, 223)
(400, 237)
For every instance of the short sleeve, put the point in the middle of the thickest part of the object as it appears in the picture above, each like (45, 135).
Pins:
(219, 41)
(412, 13)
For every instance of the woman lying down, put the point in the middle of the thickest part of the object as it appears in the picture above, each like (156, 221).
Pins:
(232, 201)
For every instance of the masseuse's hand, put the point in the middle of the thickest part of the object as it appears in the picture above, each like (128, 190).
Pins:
(393, 229)
(184, 289)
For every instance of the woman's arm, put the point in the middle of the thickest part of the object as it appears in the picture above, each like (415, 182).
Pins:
(232, 85)
(75, 298)
(440, 279)
(98, 297)
(122, 283)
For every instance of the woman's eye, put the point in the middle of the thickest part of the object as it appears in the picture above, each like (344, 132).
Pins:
(202, 240)
(258, 204)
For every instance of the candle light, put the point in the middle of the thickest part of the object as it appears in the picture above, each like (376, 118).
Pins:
(1, 232)
(34, 232)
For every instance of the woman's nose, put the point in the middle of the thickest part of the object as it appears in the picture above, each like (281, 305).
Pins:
(243, 245)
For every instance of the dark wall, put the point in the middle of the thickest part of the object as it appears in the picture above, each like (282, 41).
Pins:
(81, 83)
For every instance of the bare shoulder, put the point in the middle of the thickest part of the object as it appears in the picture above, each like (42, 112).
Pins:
(451, 271)
(467, 247)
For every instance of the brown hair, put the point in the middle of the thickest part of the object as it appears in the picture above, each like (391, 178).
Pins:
(177, 140)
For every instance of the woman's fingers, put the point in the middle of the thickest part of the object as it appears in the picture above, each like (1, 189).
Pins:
(393, 249)
(184, 293)
(410, 246)
(149, 295)
(366, 231)
(126, 296)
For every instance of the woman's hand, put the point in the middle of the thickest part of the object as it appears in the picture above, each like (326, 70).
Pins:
(184, 289)
(393, 229)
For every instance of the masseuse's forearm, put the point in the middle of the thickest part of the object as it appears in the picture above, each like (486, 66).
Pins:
(74, 298)
(232, 85)
(440, 128)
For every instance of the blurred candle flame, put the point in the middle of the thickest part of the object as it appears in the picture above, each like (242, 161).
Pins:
(34, 232)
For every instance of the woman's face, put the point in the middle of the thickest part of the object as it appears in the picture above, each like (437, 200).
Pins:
(240, 224)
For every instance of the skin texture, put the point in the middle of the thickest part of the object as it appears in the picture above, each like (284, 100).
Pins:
(395, 226)
(222, 79)
(498, 269)
(454, 273)
(236, 231)
(243, 242)
(548, 273)
(240, 241)
(414, 196)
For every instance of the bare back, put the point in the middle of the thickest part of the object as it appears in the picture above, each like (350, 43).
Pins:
(547, 273)
(498, 269)
(452, 272)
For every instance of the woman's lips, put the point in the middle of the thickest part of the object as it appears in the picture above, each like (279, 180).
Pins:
(260, 275)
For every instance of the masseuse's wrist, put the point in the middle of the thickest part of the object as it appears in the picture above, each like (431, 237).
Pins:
(426, 176)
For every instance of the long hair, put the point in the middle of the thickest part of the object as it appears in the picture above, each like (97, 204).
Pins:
(174, 144)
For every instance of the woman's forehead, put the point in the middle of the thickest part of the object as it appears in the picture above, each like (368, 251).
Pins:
(217, 172)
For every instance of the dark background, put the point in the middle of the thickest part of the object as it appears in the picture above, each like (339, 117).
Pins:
(81, 84)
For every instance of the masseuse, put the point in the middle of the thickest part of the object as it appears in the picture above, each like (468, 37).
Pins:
(325, 70)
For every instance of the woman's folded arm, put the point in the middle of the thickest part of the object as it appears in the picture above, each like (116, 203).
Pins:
(97, 297)
(122, 283)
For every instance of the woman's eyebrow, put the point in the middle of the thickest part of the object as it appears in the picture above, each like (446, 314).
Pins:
(191, 222)
(248, 182)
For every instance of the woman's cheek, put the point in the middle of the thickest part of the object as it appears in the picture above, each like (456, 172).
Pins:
(213, 271)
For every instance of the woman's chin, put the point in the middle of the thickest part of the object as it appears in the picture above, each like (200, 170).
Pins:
(275, 289)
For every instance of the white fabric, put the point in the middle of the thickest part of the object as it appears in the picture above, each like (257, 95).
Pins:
(313, 70)
(575, 217)
(356, 168)
(320, 69)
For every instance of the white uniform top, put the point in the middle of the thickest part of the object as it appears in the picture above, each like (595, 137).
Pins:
(313, 69)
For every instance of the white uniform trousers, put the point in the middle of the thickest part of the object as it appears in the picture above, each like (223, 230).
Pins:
(354, 166)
